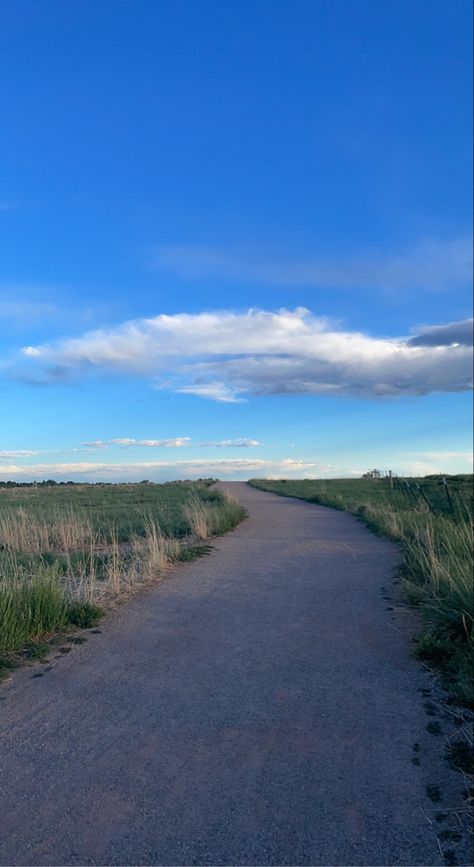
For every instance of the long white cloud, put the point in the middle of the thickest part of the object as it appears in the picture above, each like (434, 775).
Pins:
(176, 442)
(404, 463)
(162, 470)
(226, 356)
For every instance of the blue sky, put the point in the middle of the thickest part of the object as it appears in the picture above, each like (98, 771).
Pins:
(234, 238)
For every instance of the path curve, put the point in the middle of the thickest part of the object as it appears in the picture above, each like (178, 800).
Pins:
(259, 706)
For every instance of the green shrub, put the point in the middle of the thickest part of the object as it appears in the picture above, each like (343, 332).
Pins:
(29, 609)
(83, 614)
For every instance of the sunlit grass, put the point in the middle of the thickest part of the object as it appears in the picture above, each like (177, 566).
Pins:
(61, 566)
(438, 558)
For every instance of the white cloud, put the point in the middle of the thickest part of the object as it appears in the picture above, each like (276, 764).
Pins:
(240, 443)
(213, 390)
(447, 455)
(95, 444)
(241, 468)
(430, 265)
(292, 462)
(406, 464)
(24, 454)
(430, 462)
(226, 356)
(12, 454)
(175, 443)
(125, 442)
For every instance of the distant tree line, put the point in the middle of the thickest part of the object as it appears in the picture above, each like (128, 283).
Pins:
(51, 483)
(46, 483)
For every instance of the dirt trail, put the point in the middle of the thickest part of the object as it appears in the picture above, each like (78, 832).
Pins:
(259, 706)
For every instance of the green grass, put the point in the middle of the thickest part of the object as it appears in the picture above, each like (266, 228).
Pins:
(112, 510)
(438, 556)
(351, 494)
(66, 551)
(71, 528)
(30, 609)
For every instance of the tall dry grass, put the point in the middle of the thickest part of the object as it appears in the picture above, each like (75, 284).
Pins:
(209, 519)
(24, 532)
(58, 570)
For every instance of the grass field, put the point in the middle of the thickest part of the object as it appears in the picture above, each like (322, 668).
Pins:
(435, 532)
(67, 551)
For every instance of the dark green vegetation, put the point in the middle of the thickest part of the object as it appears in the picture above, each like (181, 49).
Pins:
(434, 793)
(67, 550)
(434, 728)
(33, 608)
(461, 756)
(433, 523)
(45, 615)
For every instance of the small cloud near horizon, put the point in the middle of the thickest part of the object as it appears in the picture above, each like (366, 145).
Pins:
(158, 470)
(241, 443)
(407, 463)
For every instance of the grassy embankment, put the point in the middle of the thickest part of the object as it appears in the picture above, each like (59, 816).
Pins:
(438, 556)
(67, 552)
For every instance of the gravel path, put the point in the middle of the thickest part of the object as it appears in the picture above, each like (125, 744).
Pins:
(259, 706)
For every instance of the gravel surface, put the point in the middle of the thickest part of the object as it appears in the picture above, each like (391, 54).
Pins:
(259, 706)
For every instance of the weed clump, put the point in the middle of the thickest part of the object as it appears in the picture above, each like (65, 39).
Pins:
(29, 609)
(434, 793)
(83, 614)
(461, 754)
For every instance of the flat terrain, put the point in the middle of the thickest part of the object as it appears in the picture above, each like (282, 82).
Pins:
(433, 519)
(452, 500)
(259, 706)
